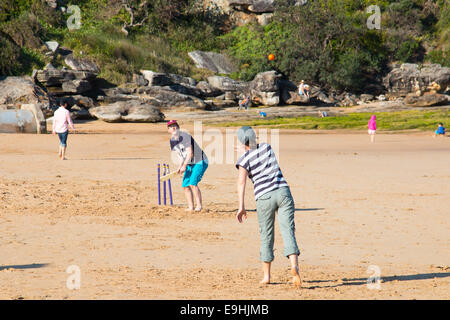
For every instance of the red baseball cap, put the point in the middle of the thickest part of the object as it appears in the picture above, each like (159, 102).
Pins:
(171, 122)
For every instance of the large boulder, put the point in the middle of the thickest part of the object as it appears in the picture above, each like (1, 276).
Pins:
(265, 88)
(128, 111)
(213, 61)
(262, 6)
(254, 6)
(186, 89)
(61, 82)
(76, 86)
(38, 116)
(427, 100)
(410, 78)
(80, 64)
(165, 79)
(167, 99)
(53, 46)
(208, 90)
(78, 105)
(242, 12)
(289, 93)
(17, 91)
(21, 90)
(227, 84)
(27, 119)
(292, 97)
(17, 121)
(55, 77)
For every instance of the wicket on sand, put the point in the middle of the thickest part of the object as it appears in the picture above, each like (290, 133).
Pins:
(165, 171)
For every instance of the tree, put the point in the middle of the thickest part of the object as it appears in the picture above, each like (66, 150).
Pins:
(138, 12)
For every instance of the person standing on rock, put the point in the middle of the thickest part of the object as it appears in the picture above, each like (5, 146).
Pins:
(372, 128)
(272, 194)
(61, 123)
(194, 163)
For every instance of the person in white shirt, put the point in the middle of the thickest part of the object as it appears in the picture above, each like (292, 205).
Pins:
(303, 89)
(61, 123)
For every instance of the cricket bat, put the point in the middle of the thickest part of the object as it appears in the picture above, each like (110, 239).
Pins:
(168, 176)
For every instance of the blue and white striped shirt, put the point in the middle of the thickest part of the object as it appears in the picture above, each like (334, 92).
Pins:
(263, 169)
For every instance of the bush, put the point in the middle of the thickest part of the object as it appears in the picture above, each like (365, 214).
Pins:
(319, 42)
(9, 55)
(25, 30)
(439, 56)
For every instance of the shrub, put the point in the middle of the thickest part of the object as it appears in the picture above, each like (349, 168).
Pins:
(319, 42)
(9, 55)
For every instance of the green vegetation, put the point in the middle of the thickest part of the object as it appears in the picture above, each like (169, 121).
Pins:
(325, 42)
(386, 121)
(161, 44)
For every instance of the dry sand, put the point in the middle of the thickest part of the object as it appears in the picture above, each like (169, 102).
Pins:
(358, 205)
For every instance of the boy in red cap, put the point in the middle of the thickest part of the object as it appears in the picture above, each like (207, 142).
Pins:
(193, 163)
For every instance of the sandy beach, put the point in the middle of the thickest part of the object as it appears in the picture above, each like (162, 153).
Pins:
(359, 207)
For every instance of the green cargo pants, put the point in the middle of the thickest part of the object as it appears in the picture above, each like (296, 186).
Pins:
(276, 200)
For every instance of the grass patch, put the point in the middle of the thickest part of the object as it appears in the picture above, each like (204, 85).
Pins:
(386, 121)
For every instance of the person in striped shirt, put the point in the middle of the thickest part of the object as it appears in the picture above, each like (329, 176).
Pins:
(61, 123)
(272, 194)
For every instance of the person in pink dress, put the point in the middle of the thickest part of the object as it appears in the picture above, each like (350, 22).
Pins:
(372, 128)
(61, 123)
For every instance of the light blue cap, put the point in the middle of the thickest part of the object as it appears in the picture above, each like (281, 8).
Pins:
(246, 135)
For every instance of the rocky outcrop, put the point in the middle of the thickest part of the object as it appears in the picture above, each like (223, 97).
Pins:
(264, 88)
(227, 84)
(16, 91)
(79, 64)
(167, 99)
(21, 90)
(128, 111)
(165, 79)
(208, 90)
(410, 78)
(77, 79)
(213, 61)
(242, 12)
(17, 121)
(53, 46)
(23, 104)
(38, 116)
(427, 100)
(62, 82)
(289, 93)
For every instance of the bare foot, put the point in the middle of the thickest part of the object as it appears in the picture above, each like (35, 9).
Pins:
(265, 281)
(296, 277)
(189, 209)
(198, 209)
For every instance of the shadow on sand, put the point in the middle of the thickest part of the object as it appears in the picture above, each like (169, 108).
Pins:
(104, 159)
(25, 266)
(363, 281)
(296, 209)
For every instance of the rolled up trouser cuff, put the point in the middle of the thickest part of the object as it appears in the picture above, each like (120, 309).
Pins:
(289, 251)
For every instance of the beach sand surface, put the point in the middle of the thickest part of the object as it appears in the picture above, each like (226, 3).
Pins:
(362, 211)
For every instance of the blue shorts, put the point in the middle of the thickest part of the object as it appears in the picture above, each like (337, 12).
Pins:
(194, 173)
(439, 132)
(63, 138)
